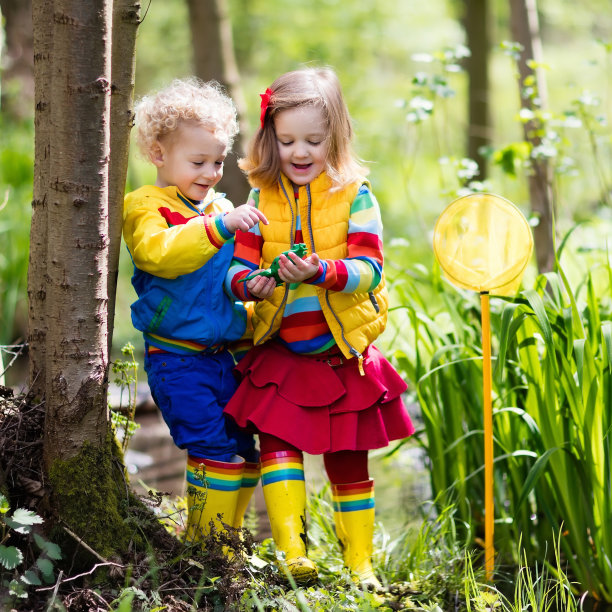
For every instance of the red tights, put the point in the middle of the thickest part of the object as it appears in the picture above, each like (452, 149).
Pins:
(342, 467)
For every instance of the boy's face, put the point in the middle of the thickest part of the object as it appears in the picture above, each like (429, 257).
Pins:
(190, 158)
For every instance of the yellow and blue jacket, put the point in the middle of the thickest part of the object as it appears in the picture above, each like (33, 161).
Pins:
(181, 252)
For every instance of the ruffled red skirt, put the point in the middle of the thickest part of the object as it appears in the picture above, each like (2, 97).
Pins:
(320, 403)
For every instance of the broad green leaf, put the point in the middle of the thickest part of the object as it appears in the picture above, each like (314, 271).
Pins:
(535, 301)
(30, 577)
(46, 569)
(10, 556)
(53, 551)
(24, 518)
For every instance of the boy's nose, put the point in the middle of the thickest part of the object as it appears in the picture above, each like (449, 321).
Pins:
(210, 172)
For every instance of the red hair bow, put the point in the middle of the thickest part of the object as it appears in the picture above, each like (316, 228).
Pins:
(265, 101)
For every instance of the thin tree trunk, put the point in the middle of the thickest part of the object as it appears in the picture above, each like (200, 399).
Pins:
(77, 260)
(42, 16)
(478, 41)
(126, 19)
(525, 30)
(213, 48)
(84, 477)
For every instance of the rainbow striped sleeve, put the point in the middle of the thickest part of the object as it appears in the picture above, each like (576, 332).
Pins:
(361, 271)
(247, 256)
(215, 229)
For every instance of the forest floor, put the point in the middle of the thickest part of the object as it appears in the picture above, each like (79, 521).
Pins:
(166, 569)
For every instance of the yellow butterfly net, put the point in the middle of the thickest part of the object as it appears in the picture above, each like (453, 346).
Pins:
(483, 242)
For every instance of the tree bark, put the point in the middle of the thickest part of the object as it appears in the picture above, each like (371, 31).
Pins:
(526, 31)
(126, 19)
(77, 249)
(42, 16)
(69, 326)
(476, 23)
(18, 70)
(213, 48)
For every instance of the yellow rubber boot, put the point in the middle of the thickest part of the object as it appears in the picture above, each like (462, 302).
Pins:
(284, 489)
(354, 518)
(213, 488)
(250, 478)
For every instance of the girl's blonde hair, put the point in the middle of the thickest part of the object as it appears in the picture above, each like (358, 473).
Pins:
(160, 113)
(317, 87)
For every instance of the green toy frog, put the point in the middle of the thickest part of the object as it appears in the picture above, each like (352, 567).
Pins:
(299, 249)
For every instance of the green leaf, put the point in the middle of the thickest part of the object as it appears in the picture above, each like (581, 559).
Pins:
(10, 556)
(46, 568)
(606, 332)
(534, 475)
(31, 578)
(17, 589)
(23, 519)
(4, 504)
(53, 551)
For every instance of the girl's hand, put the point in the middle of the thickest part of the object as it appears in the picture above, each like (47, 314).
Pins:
(292, 269)
(243, 218)
(261, 287)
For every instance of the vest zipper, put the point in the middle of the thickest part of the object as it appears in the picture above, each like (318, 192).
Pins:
(352, 350)
(291, 243)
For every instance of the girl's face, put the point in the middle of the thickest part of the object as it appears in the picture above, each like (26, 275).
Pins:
(302, 143)
(190, 158)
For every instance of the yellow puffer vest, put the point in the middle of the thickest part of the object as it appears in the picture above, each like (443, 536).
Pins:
(355, 319)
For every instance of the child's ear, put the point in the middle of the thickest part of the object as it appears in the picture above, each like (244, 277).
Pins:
(156, 154)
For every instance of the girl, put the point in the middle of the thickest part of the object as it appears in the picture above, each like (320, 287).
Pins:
(313, 382)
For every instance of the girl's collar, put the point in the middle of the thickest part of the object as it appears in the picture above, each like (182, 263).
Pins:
(319, 184)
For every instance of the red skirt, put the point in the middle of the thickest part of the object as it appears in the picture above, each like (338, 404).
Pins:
(320, 403)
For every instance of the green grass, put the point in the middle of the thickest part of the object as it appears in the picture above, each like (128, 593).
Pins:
(552, 401)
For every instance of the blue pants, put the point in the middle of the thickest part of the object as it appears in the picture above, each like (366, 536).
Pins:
(191, 392)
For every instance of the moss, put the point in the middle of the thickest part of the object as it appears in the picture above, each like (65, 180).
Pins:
(92, 499)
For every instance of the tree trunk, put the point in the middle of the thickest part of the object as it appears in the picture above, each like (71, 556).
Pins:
(77, 249)
(69, 271)
(525, 30)
(476, 23)
(42, 16)
(126, 18)
(213, 48)
(18, 70)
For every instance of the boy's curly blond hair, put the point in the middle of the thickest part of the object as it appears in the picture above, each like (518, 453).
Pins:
(160, 113)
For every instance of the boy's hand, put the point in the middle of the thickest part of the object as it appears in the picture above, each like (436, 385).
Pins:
(261, 287)
(292, 269)
(243, 218)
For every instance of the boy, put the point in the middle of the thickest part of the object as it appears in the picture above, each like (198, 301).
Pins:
(179, 233)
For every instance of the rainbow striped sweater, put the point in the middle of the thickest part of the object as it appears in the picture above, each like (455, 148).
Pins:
(181, 252)
(304, 328)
